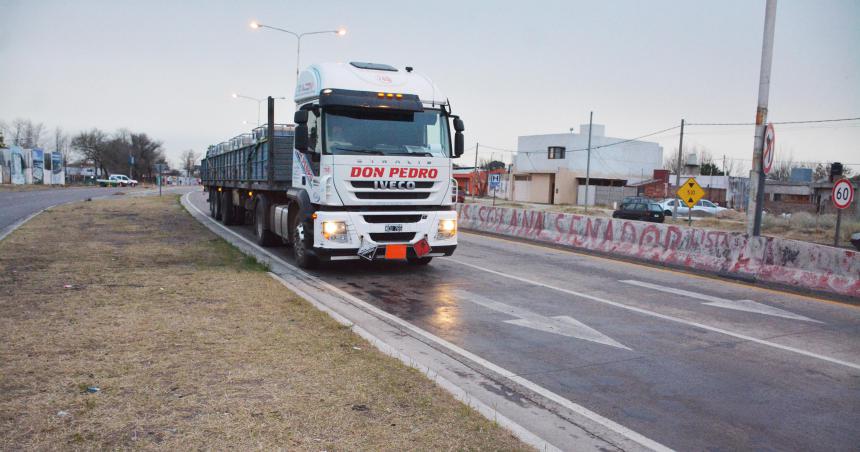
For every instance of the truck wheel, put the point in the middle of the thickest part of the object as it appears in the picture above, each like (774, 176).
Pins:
(217, 201)
(213, 205)
(421, 261)
(301, 237)
(228, 212)
(262, 234)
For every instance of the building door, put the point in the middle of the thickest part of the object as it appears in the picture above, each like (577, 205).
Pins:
(552, 188)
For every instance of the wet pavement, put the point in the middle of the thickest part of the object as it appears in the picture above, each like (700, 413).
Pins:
(688, 361)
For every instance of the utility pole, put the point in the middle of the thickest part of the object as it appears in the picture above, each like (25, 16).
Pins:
(678, 172)
(588, 159)
(756, 198)
(475, 172)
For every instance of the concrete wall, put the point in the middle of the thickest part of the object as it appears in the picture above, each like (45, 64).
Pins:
(778, 261)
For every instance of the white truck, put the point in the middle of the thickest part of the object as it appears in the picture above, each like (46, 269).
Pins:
(365, 172)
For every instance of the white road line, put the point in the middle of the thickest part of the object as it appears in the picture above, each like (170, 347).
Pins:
(562, 325)
(738, 305)
(574, 407)
(664, 316)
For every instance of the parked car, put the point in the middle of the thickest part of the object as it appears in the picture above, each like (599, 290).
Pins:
(640, 210)
(117, 180)
(702, 207)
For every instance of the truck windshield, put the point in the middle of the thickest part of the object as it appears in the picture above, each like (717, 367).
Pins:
(361, 131)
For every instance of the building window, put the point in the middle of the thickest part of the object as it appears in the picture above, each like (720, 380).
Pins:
(555, 152)
(523, 177)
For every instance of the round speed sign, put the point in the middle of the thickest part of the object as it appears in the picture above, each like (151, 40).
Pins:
(843, 193)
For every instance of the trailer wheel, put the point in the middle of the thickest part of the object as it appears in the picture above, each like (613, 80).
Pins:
(216, 198)
(228, 212)
(213, 205)
(301, 236)
(262, 234)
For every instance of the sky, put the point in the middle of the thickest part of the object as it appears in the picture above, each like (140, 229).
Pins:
(509, 68)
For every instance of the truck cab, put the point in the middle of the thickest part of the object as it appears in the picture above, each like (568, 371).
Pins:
(372, 166)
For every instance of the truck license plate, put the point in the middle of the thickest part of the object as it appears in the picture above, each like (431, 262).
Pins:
(393, 228)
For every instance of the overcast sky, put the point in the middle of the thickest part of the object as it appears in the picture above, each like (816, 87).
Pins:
(510, 68)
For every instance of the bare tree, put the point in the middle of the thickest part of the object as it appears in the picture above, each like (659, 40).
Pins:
(26, 134)
(189, 161)
(781, 169)
(61, 144)
(93, 146)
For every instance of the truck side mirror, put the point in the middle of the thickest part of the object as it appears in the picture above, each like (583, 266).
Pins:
(458, 137)
(301, 138)
(301, 117)
(458, 125)
(458, 144)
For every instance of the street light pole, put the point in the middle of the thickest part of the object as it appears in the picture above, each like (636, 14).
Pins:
(258, 101)
(299, 36)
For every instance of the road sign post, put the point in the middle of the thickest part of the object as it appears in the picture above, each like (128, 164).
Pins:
(495, 180)
(842, 196)
(690, 193)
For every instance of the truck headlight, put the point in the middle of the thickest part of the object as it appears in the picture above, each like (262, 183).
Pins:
(335, 231)
(447, 229)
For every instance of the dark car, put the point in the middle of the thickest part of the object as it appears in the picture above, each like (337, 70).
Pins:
(640, 210)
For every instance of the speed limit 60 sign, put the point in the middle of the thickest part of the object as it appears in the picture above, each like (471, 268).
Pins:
(843, 193)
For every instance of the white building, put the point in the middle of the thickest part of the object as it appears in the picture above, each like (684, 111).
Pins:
(551, 168)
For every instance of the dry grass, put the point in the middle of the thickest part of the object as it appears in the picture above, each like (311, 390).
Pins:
(192, 346)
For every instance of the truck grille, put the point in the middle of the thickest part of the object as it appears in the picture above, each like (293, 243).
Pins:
(369, 184)
(392, 195)
(392, 236)
(402, 218)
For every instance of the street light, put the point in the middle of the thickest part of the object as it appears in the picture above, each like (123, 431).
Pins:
(339, 32)
(258, 101)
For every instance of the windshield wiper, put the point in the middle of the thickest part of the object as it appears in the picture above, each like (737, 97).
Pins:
(422, 154)
(361, 151)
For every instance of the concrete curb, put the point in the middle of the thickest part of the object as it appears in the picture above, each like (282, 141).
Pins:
(791, 264)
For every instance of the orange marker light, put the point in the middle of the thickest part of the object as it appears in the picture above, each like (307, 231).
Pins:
(380, 94)
(390, 95)
(250, 193)
(400, 96)
(314, 216)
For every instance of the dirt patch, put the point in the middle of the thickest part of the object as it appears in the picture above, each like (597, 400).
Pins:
(126, 324)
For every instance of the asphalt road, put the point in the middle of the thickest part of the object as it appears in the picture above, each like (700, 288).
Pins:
(18, 205)
(691, 362)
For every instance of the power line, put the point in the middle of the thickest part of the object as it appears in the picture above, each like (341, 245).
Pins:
(811, 121)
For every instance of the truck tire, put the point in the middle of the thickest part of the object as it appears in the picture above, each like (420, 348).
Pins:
(418, 261)
(228, 212)
(213, 204)
(217, 199)
(302, 234)
(262, 234)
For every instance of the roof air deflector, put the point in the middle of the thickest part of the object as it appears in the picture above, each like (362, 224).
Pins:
(373, 66)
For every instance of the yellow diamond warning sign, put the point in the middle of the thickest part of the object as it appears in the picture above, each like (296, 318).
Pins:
(690, 192)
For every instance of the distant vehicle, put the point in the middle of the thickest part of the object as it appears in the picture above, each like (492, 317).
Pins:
(117, 180)
(640, 210)
(631, 199)
(702, 207)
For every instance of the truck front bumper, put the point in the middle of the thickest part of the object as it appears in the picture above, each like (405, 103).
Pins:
(381, 229)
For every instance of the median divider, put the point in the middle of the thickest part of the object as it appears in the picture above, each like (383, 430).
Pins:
(787, 263)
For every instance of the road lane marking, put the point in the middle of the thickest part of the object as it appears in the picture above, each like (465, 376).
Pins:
(663, 316)
(738, 305)
(560, 250)
(574, 407)
(562, 325)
